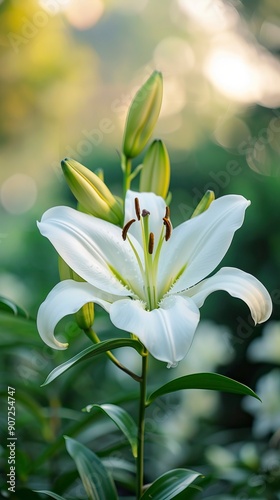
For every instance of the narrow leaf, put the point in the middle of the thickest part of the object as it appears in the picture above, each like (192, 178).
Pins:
(9, 306)
(93, 350)
(97, 481)
(17, 331)
(170, 484)
(123, 421)
(24, 493)
(50, 494)
(210, 381)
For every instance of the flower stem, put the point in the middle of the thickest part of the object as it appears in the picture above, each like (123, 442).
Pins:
(92, 335)
(126, 175)
(141, 427)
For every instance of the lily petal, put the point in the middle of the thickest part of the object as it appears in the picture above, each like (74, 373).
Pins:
(147, 201)
(198, 245)
(67, 298)
(92, 248)
(166, 332)
(238, 284)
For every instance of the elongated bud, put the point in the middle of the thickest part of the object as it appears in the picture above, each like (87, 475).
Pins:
(100, 173)
(204, 203)
(91, 192)
(85, 316)
(155, 173)
(142, 116)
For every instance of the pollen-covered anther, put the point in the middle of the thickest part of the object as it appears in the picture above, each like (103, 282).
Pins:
(168, 227)
(167, 213)
(137, 208)
(126, 228)
(145, 213)
(151, 243)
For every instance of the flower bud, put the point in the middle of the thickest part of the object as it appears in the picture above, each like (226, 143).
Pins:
(155, 173)
(91, 192)
(142, 116)
(204, 203)
(85, 316)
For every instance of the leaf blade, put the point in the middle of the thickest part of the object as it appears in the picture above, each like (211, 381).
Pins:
(11, 307)
(170, 484)
(91, 351)
(123, 421)
(208, 381)
(50, 494)
(97, 481)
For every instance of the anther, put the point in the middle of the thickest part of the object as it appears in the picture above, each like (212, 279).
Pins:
(126, 228)
(145, 213)
(168, 226)
(137, 208)
(167, 213)
(151, 243)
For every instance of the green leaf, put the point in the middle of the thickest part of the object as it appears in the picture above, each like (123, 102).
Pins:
(93, 350)
(24, 493)
(51, 494)
(97, 481)
(170, 484)
(210, 381)
(123, 421)
(122, 471)
(9, 306)
(35, 409)
(17, 331)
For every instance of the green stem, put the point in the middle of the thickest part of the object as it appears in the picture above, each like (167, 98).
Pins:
(126, 176)
(95, 339)
(141, 427)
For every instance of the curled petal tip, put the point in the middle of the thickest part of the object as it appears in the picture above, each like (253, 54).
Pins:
(172, 365)
(60, 345)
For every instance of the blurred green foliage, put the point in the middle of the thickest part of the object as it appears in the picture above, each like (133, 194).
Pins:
(66, 82)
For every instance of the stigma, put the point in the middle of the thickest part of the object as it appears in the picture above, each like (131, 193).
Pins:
(143, 214)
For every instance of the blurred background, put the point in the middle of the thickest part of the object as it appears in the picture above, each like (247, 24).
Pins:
(68, 72)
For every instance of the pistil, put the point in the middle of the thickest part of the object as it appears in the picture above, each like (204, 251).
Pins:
(151, 254)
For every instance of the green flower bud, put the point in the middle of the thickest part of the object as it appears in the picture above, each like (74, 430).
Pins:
(155, 173)
(91, 192)
(85, 316)
(142, 116)
(204, 203)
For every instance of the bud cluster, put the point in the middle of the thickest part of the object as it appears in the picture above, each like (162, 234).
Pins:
(95, 198)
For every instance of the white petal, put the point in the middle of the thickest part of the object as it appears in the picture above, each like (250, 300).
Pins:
(166, 332)
(200, 243)
(238, 284)
(67, 298)
(148, 201)
(89, 246)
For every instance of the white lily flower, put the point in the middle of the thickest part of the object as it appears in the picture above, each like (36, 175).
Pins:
(147, 276)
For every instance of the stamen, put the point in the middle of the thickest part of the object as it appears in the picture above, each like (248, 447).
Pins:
(137, 208)
(151, 243)
(145, 213)
(126, 228)
(167, 213)
(168, 226)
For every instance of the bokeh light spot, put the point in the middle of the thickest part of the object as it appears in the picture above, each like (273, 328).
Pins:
(211, 15)
(83, 14)
(233, 75)
(173, 55)
(231, 132)
(18, 193)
